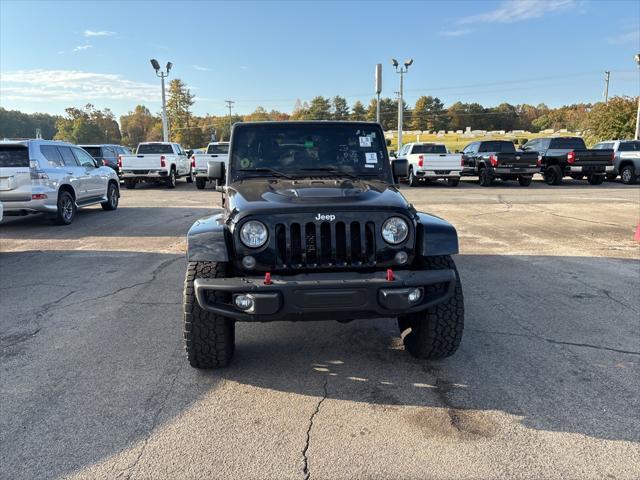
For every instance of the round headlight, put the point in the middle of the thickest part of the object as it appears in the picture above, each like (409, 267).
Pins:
(395, 230)
(254, 234)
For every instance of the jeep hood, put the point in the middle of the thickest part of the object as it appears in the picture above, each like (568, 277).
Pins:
(304, 194)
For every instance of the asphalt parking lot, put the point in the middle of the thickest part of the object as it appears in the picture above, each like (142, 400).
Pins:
(546, 384)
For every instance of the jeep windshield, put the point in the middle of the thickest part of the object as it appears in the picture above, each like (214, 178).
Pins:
(308, 150)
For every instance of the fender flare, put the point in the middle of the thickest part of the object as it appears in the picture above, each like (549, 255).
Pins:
(206, 240)
(435, 236)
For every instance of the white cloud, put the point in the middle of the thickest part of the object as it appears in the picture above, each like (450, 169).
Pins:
(98, 33)
(631, 36)
(80, 48)
(519, 10)
(456, 33)
(73, 85)
(200, 68)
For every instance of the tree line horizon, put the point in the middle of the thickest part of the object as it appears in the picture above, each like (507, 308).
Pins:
(89, 125)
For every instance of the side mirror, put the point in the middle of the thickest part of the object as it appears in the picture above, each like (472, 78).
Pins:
(189, 153)
(399, 169)
(215, 170)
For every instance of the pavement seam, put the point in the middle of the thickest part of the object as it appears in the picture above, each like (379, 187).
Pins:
(306, 471)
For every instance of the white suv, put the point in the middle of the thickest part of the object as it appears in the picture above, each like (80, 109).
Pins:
(45, 176)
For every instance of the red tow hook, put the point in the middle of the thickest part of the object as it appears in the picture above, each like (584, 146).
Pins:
(390, 277)
(267, 278)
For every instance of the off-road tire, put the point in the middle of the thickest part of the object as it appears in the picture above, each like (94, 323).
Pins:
(595, 179)
(190, 176)
(525, 181)
(437, 332)
(413, 180)
(485, 178)
(201, 183)
(112, 198)
(553, 175)
(129, 183)
(209, 339)
(453, 182)
(628, 175)
(67, 210)
(171, 179)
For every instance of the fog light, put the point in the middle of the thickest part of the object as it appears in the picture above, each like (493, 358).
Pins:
(248, 262)
(243, 302)
(401, 258)
(415, 295)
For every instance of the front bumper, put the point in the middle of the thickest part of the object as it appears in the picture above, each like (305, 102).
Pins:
(326, 296)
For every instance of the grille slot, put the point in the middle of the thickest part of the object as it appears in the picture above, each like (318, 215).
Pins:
(323, 244)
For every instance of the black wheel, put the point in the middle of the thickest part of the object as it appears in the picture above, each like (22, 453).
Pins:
(413, 180)
(595, 179)
(553, 175)
(436, 332)
(201, 183)
(66, 209)
(628, 175)
(453, 182)
(112, 197)
(524, 181)
(190, 176)
(129, 183)
(171, 179)
(485, 178)
(209, 339)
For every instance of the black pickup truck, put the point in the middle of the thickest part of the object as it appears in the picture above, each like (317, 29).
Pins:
(314, 228)
(499, 159)
(569, 157)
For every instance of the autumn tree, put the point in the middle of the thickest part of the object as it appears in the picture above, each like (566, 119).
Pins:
(88, 125)
(358, 112)
(137, 126)
(613, 120)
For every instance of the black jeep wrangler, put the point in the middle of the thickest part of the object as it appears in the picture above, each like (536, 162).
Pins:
(314, 228)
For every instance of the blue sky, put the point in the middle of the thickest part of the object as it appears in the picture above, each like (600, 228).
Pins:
(62, 53)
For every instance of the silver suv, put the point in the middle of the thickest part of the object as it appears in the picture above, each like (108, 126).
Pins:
(45, 176)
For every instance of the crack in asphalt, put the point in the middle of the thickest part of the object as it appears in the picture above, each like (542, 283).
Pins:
(128, 471)
(153, 278)
(305, 458)
(581, 219)
(557, 342)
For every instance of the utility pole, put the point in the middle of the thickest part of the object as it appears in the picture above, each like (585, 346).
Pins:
(230, 105)
(163, 74)
(401, 71)
(607, 74)
(637, 136)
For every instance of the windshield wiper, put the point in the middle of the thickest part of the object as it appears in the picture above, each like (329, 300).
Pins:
(337, 171)
(266, 170)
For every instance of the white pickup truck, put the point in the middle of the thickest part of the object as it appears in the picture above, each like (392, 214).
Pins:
(218, 151)
(156, 162)
(431, 161)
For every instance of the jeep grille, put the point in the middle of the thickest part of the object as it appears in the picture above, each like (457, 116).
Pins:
(325, 243)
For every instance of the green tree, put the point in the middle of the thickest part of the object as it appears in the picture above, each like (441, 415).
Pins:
(462, 115)
(358, 112)
(81, 126)
(183, 128)
(258, 115)
(614, 120)
(319, 109)
(340, 108)
(388, 112)
(429, 114)
(16, 124)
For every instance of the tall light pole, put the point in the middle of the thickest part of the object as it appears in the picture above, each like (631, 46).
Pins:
(162, 74)
(230, 105)
(401, 71)
(637, 57)
(607, 74)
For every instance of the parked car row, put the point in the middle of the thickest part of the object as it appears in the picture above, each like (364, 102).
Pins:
(55, 178)
(555, 158)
